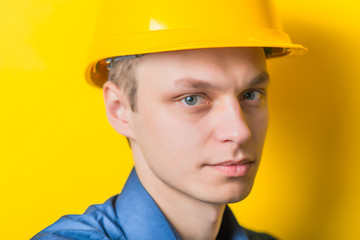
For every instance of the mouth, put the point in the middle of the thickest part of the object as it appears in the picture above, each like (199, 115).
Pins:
(233, 168)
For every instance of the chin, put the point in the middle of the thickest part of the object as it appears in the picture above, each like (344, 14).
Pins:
(225, 199)
(236, 199)
(225, 196)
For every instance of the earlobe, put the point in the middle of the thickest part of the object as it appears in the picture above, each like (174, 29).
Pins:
(117, 108)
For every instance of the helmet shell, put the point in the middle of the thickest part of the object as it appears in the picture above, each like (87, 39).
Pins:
(142, 26)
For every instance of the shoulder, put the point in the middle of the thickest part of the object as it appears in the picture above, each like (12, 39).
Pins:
(257, 236)
(97, 222)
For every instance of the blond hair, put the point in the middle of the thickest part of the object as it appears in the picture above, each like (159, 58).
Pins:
(122, 73)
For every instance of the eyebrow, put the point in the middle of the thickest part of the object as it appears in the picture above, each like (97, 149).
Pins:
(194, 83)
(201, 84)
(261, 78)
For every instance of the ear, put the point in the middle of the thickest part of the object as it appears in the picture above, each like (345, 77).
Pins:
(117, 109)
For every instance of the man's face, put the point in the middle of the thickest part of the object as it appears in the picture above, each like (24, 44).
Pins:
(201, 122)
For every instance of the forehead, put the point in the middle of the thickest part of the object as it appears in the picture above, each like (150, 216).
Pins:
(216, 64)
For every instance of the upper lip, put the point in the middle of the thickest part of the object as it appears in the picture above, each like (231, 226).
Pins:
(233, 162)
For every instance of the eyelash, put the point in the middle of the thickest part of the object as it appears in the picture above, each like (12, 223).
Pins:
(261, 91)
(262, 94)
(183, 99)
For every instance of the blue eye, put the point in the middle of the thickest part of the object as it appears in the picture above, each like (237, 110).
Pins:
(193, 100)
(251, 95)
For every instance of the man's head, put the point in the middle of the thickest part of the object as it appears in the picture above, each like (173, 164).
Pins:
(200, 114)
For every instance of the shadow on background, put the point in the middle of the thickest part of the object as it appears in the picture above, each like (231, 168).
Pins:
(311, 99)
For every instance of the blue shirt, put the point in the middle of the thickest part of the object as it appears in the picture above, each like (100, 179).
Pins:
(131, 215)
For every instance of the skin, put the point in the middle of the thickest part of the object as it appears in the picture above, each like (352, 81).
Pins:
(196, 110)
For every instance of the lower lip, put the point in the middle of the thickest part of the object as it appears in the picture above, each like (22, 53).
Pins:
(235, 170)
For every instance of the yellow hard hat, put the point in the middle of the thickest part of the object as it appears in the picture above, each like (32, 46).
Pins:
(129, 27)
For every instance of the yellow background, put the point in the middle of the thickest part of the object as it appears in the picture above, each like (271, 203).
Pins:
(59, 155)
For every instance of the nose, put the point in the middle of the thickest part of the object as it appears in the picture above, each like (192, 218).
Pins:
(231, 124)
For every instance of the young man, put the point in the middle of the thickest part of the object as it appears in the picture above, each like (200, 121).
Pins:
(195, 116)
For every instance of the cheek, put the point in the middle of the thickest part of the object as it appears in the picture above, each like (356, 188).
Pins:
(258, 124)
(174, 146)
(170, 134)
(178, 140)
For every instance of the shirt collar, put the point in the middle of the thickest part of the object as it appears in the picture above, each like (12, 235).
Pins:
(141, 218)
(138, 214)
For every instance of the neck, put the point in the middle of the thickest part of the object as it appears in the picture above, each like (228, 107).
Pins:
(193, 221)
(192, 218)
